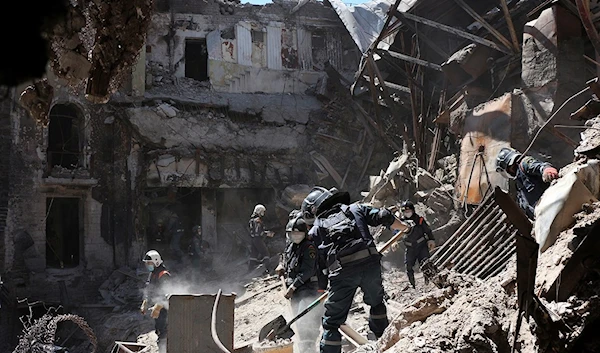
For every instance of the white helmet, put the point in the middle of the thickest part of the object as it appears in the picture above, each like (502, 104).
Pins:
(154, 257)
(260, 210)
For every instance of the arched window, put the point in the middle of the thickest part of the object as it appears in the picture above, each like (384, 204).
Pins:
(65, 137)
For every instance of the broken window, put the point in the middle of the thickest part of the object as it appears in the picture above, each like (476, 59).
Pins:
(196, 59)
(319, 49)
(62, 232)
(259, 54)
(65, 137)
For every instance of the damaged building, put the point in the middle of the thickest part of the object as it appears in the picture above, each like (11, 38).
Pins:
(222, 106)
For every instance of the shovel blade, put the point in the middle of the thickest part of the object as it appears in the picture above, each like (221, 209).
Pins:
(274, 325)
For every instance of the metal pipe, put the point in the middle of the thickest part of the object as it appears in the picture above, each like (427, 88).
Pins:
(482, 256)
(474, 224)
(576, 127)
(458, 233)
(472, 238)
(485, 257)
(213, 325)
(498, 265)
(482, 238)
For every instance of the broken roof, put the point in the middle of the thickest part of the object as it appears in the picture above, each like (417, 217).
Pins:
(364, 22)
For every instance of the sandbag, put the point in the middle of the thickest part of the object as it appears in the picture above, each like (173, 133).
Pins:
(563, 199)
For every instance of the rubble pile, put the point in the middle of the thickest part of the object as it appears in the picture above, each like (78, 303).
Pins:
(122, 288)
(432, 194)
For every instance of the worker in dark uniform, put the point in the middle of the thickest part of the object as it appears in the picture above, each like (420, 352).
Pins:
(341, 231)
(176, 231)
(532, 177)
(155, 292)
(419, 242)
(199, 251)
(299, 268)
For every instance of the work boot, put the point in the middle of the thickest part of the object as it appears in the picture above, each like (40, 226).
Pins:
(411, 279)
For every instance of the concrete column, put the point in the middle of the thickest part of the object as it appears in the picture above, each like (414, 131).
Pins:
(209, 216)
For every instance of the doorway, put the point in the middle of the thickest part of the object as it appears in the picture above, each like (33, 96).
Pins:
(196, 59)
(63, 232)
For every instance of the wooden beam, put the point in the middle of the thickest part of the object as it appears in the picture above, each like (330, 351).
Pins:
(413, 60)
(403, 16)
(457, 32)
(477, 17)
(511, 26)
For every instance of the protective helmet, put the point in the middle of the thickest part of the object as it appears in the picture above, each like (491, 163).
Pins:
(407, 205)
(259, 210)
(154, 257)
(506, 157)
(297, 225)
(312, 202)
(294, 214)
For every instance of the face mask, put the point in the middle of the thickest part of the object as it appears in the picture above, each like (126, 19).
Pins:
(408, 214)
(296, 237)
(150, 268)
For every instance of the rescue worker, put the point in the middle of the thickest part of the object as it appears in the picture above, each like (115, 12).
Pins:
(258, 249)
(341, 231)
(299, 268)
(532, 177)
(419, 242)
(155, 292)
(200, 250)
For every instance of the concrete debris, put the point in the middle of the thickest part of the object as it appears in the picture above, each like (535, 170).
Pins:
(166, 110)
(37, 99)
(122, 288)
(578, 185)
(425, 180)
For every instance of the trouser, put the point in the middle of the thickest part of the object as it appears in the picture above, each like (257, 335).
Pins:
(411, 256)
(160, 325)
(308, 325)
(341, 295)
(258, 252)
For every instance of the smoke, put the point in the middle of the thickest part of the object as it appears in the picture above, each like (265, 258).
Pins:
(189, 280)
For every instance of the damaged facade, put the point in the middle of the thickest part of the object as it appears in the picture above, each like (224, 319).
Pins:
(220, 112)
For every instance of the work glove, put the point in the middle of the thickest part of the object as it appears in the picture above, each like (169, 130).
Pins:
(431, 245)
(549, 174)
(144, 307)
(279, 270)
(155, 311)
(290, 292)
(394, 247)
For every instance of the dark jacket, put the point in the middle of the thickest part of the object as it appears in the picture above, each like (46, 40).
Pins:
(300, 263)
(154, 290)
(256, 227)
(530, 185)
(365, 216)
(420, 233)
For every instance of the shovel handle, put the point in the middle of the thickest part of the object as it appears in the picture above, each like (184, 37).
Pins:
(309, 308)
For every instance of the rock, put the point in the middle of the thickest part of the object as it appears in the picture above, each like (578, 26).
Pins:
(425, 180)
(167, 110)
(440, 199)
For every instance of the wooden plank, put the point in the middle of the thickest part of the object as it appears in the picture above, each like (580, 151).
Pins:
(511, 26)
(419, 34)
(413, 60)
(477, 17)
(457, 32)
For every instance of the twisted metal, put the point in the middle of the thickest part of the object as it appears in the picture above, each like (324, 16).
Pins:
(39, 336)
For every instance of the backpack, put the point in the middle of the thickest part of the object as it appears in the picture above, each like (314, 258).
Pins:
(342, 236)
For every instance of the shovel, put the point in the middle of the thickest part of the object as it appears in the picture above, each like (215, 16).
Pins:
(279, 328)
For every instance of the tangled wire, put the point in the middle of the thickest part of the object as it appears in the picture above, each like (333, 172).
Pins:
(38, 337)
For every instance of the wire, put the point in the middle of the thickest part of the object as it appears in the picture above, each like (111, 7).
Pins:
(551, 117)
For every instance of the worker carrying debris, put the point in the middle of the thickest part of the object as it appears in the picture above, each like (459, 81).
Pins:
(532, 177)
(154, 292)
(418, 243)
(342, 233)
(258, 250)
(299, 267)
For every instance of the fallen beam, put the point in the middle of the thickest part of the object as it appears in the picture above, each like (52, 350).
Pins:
(477, 17)
(511, 26)
(402, 17)
(457, 32)
(413, 60)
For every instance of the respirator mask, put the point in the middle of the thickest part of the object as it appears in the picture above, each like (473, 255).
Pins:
(296, 237)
